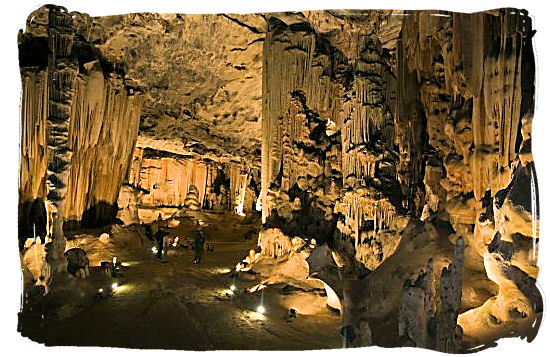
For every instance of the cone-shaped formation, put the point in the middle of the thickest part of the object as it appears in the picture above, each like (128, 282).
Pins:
(192, 199)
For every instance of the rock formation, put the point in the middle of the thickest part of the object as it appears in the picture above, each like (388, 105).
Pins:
(358, 136)
(389, 152)
(73, 112)
(192, 199)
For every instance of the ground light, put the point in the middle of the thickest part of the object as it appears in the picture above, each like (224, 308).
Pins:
(233, 287)
(114, 286)
(100, 290)
(260, 309)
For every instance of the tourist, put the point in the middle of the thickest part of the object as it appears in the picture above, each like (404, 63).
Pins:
(198, 244)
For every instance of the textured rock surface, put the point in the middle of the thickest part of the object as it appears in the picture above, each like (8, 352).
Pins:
(357, 137)
(389, 140)
(204, 85)
(162, 178)
(93, 113)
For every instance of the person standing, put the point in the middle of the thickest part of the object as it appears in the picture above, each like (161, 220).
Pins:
(159, 236)
(198, 244)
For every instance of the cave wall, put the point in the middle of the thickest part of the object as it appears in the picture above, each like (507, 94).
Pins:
(330, 151)
(162, 178)
(102, 126)
(167, 178)
(475, 74)
(364, 144)
(476, 88)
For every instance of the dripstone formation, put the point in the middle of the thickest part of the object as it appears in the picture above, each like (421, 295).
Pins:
(388, 151)
(396, 121)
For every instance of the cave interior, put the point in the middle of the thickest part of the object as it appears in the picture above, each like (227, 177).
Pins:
(358, 178)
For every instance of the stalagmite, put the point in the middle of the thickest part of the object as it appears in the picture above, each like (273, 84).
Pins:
(449, 333)
(167, 178)
(192, 199)
(61, 76)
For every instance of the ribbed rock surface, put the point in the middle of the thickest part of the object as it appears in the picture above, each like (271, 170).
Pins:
(328, 127)
(357, 137)
(165, 179)
(479, 105)
(102, 116)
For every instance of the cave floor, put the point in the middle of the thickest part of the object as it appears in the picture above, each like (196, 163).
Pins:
(173, 304)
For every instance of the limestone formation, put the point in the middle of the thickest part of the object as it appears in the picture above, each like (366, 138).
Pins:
(388, 151)
(449, 333)
(77, 262)
(73, 112)
(438, 129)
(417, 309)
(192, 199)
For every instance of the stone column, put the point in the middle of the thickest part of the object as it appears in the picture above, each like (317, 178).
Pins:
(448, 335)
(62, 72)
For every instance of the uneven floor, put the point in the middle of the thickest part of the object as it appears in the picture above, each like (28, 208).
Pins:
(173, 304)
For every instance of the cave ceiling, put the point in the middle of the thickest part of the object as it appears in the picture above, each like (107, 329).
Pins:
(201, 75)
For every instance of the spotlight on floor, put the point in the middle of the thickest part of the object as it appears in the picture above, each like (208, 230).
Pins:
(260, 309)
(233, 287)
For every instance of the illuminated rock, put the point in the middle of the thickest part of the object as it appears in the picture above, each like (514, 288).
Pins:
(192, 199)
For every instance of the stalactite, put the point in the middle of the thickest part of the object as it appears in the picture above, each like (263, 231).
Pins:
(239, 180)
(291, 64)
(34, 108)
(103, 118)
(275, 243)
(408, 126)
(365, 113)
(357, 210)
(86, 116)
(167, 178)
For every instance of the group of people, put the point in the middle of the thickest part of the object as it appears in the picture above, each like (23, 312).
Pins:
(161, 237)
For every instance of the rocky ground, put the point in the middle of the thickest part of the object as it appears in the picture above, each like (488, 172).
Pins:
(172, 304)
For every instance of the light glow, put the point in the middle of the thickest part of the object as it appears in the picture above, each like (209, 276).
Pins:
(260, 309)
(242, 267)
(233, 287)
(115, 285)
(175, 241)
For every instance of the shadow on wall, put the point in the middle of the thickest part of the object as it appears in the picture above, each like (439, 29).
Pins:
(31, 220)
(100, 214)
